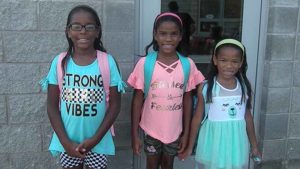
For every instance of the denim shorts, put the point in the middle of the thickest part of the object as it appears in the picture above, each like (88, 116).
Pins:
(153, 146)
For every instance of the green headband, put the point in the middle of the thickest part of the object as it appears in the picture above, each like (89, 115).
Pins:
(230, 41)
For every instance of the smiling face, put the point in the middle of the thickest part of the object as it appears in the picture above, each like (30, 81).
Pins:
(228, 61)
(82, 39)
(167, 37)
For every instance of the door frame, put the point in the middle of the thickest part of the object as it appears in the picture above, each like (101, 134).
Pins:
(254, 28)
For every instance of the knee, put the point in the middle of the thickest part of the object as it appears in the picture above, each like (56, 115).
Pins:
(152, 163)
(167, 162)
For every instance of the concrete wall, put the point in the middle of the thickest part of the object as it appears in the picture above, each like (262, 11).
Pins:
(280, 115)
(31, 34)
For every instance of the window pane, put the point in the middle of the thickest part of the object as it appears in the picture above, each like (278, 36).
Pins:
(206, 26)
(232, 8)
(210, 9)
(233, 30)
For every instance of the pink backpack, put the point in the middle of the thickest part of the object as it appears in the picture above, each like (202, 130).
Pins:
(104, 69)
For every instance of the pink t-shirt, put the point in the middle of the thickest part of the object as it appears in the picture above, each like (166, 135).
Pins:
(162, 112)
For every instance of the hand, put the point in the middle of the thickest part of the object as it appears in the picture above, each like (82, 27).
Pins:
(185, 154)
(256, 156)
(182, 144)
(136, 145)
(70, 149)
(85, 146)
(255, 152)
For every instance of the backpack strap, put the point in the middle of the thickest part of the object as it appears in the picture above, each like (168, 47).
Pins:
(105, 73)
(186, 68)
(150, 64)
(148, 71)
(60, 76)
(206, 106)
(215, 91)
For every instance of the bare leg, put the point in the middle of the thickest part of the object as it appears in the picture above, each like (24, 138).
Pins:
(153, 161)
(167, 161)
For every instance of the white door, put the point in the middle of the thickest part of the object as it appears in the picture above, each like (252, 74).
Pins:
(237, 18)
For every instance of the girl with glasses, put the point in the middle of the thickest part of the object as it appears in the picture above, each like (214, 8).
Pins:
(78, 109)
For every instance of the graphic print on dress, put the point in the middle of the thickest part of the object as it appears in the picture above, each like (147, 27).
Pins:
(79, 97)
(232, 110)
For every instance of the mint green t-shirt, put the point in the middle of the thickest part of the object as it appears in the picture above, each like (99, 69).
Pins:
(82, 103)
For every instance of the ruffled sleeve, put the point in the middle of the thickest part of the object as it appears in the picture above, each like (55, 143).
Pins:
(51, 78)
(136, 78)
(121, 86)
(115, 75)
(44, 84)
(195, 78)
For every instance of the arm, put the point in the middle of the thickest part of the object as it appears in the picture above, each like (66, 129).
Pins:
(136, 109)
(251, 133)
(187, 112)
(56, 121)
(195, 125)
(109, 118)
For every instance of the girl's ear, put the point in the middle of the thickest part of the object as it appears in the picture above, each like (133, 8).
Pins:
(68, 33)
(98, 32)
(154, 35)
(180, 38)
(215, 60)
(243, 59)
(241, 63)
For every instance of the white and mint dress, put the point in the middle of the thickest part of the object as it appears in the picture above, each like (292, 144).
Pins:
(223, 141)
(82, 103)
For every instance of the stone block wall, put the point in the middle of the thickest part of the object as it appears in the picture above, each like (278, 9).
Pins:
(280, 129)
(31, 34)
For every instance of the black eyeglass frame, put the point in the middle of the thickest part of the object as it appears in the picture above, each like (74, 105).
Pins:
(82, 26)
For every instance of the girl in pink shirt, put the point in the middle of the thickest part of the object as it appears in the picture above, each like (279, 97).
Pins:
(163, 109)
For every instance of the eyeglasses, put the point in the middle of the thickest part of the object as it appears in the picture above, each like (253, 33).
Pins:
(78, 27)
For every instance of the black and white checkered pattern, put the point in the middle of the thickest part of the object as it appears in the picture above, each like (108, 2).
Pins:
(92, 160)
(96, 161)
(67, 161)
(88, 96)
